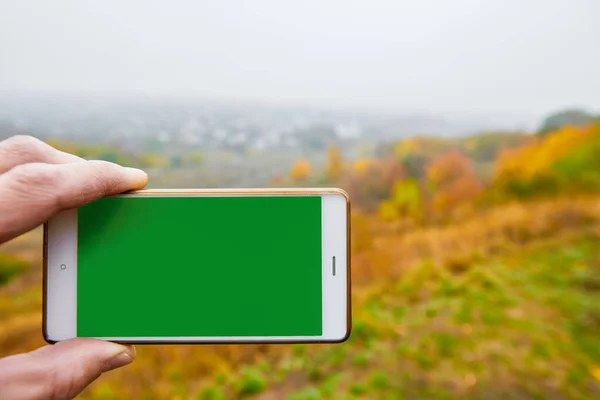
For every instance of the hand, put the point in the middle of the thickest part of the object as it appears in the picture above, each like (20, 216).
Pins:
(36, 182)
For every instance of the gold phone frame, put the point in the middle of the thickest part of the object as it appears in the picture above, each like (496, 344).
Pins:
(241, 192)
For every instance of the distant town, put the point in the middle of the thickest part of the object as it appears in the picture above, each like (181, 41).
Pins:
(239, 144)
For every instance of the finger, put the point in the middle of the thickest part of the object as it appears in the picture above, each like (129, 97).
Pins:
(19, 150)
(60, 371)
(32, 193)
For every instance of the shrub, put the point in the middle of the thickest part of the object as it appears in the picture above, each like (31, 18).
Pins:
(251, 382)
(10, 266)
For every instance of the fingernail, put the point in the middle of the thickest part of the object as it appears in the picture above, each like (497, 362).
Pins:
(118, 361)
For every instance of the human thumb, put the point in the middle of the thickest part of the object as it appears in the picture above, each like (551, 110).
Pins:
(60, 371)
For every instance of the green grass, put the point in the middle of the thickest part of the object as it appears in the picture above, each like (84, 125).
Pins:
(10, 266)
(307, 393)
(379, 380)
(251, 382)
(211, 393)
(522, 325)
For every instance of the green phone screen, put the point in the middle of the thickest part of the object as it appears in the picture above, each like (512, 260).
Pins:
(200, 266)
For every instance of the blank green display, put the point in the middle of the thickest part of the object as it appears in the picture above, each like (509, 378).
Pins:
(200, 266)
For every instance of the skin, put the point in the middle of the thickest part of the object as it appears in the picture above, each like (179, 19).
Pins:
(36, 182)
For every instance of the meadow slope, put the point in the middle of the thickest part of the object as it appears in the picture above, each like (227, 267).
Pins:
(500, 304)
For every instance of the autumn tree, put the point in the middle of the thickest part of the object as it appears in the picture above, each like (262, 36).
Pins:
(370, 181)
(416, 152)
(361, 166)
(393, 171)
(564, 159)
(447, 168)
(300, 170)
(404, 203)
(452, 181)
(335, 163)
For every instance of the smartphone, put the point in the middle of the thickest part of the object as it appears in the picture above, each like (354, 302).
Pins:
(201, 266)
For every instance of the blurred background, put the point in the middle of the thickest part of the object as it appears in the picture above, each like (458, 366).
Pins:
(466, 132)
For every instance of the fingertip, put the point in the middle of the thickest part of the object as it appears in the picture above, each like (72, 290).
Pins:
(112, 355)
(138, 177)
(122, 359)
(67, 367)
(118, 361)
(131, 350)
(91, 345)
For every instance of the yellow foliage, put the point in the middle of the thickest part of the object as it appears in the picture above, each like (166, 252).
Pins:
(406, 195)
(537, 157)
(440, 202)
(361, 166)
(335, 163)
(407, 146)
(595, 370)
(405, 202)
(301, 170)
(388, 211)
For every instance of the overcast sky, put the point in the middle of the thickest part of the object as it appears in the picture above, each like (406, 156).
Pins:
(505, 57)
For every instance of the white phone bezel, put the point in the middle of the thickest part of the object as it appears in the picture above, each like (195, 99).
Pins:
(60, 281)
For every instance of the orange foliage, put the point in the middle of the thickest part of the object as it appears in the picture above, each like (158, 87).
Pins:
(372, 180)
(453, 179)
(362, 165)
(300, 171)
(461, 190)
(448, 167)
(392, 171)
